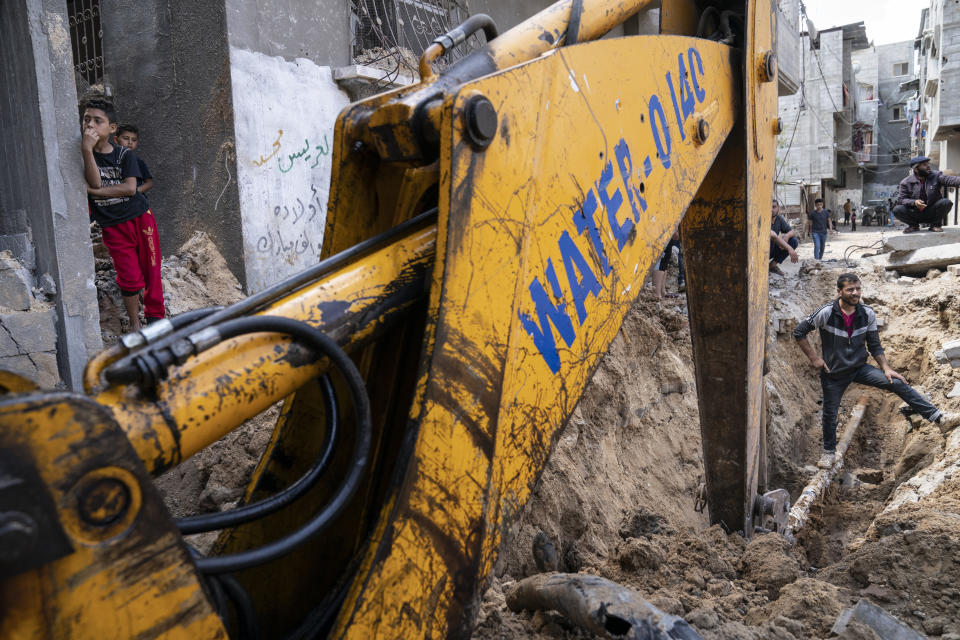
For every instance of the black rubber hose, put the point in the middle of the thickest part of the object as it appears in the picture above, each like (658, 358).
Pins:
(324, 346)
(242, 605)
(480, 21)
(709, 12)
(187, 317)
(261, 508)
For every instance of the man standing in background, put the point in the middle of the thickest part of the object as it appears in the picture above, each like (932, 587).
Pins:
(819, 221)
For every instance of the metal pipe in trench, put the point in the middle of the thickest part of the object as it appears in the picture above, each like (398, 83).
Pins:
(800, 512)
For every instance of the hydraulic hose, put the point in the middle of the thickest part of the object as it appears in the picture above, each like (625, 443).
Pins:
(324, 346)
(253, 511)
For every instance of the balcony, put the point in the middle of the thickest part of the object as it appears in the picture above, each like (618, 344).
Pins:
(867, 155)
(867, 113)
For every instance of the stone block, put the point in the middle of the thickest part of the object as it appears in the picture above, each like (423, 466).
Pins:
(32, 331)
(39, 367)
(15, 283)
(925, 258)
(885, 625)
(915, 241)
(955, 392)
(953, 269)
(8, 347)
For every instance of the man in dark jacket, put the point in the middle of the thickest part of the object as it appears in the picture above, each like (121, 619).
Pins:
(848, 329)
(921, 198)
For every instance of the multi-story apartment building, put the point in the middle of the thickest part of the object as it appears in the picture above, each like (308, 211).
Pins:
(933, 109)
(826, 140)
(881, 71)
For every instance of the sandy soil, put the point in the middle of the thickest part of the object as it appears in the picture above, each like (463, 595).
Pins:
(617, 496)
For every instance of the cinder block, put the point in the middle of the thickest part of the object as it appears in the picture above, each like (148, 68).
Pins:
(15, 283)
(32, 331)
(39, 367)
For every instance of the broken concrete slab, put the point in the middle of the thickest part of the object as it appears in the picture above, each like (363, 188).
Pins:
(955, 392)
(915, 241)
(953, 269)
(906, 280)
(924, 258)
(885, 625)
(31, 331)
(15, 283)
(949, 354)
(39, 367)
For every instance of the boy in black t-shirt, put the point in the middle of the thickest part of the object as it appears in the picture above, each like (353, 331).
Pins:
(129, 230)
(128, 135)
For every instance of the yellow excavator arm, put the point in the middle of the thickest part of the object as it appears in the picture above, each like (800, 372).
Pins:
(488, 229)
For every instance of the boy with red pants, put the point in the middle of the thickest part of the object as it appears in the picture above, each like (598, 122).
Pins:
(129, 230)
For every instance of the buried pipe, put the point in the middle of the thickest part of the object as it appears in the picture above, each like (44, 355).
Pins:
(800, 512)
(604, 608)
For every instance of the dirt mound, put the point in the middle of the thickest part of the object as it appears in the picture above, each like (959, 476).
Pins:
(194, 277)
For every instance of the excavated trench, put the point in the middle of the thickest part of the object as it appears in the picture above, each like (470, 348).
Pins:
(618, 497)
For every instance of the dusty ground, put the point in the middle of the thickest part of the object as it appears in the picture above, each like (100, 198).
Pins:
(617, 497)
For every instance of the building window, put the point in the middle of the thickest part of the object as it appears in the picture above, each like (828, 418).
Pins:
(901, 68)
(86, 35)
(393, 33)
(897, 112)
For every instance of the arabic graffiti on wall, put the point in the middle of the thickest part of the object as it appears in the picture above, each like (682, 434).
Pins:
(284, 115)
(300, 214)
(311, 154)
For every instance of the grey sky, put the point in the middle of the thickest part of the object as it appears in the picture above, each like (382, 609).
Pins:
(886, 20)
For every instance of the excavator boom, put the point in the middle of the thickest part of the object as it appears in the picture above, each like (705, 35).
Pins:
(488, 229)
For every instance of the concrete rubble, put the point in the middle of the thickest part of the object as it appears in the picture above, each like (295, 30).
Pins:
(15, 283)
(28, 334)
(949, 354)
(923, 253)
(884, 624)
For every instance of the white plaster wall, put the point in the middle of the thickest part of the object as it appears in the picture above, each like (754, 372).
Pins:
(284, 114)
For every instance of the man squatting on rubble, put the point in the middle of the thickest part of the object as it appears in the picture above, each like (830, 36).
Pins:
(783, 240)
(848, 329)
(921, 199)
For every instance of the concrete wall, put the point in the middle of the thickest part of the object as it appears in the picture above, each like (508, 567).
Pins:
(284, 114)
(168, 64)
(49, 323)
